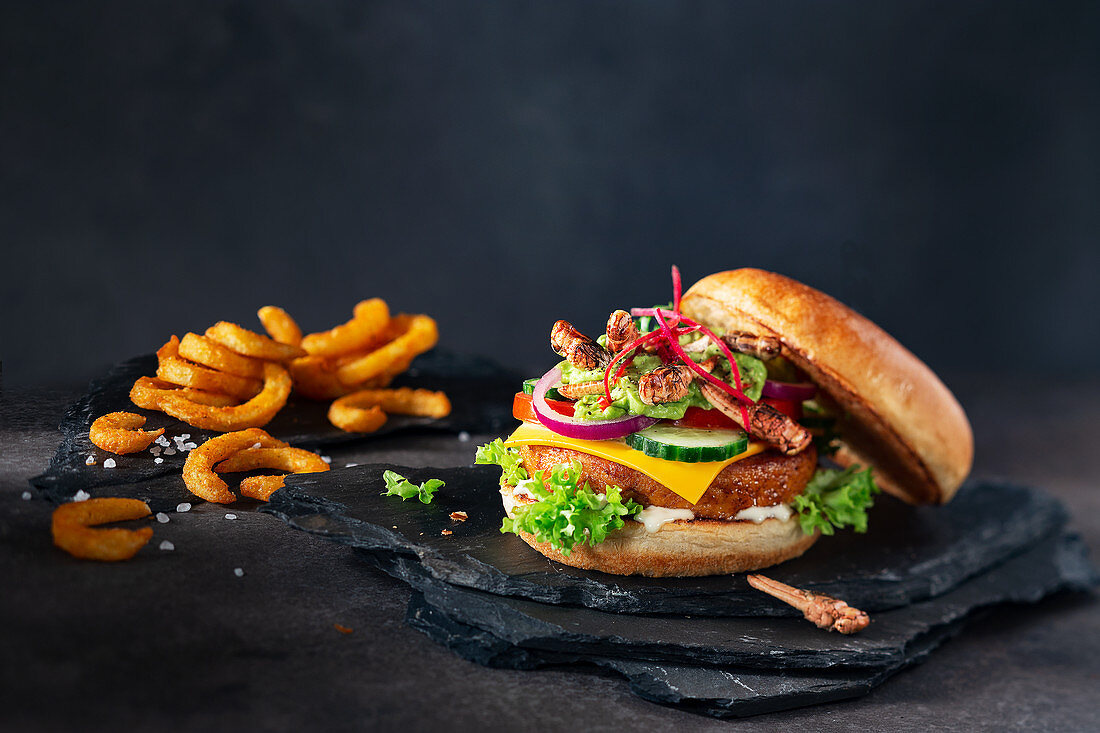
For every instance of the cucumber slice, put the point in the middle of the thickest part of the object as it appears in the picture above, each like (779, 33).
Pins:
(551, 394)
(689, 445)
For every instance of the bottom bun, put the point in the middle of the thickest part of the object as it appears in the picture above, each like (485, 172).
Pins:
(687, 548)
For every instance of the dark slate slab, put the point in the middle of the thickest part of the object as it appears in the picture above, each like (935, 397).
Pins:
(1056, 563)
(763, 665)
(480, 393)
(717, 692)
(909, 554)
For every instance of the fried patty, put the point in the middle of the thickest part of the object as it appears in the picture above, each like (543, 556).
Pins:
(765, 479)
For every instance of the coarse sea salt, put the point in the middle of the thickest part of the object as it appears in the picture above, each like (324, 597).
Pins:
(162, 517)
(81, 495)
(351, 465)
(167, 546)
(183, 507)
(109, 463)
(89, 461)
(169, 451)
(230, 516)
(26, 496)
(326, 459)
(158, 459)
(239, 572)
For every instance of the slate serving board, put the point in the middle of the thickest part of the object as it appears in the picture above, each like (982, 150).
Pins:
(909, 554)
(1057, 562)
(480, 393)
(735, 667)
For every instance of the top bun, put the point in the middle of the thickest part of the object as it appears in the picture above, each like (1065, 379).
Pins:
(894, 414)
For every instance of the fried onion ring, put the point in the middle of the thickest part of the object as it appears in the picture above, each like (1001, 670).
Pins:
(147, 391)
(208, 352)
(254, 413)
(371, 317)
(171, 368)
(421, 335)
(198, 469)
(250, 343)
(121, 433)
(279, 325)
(72, 530)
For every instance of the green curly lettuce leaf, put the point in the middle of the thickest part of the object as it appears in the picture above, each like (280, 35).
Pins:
(567, 513)
(398, 485)
(498, 454)
(836, 499)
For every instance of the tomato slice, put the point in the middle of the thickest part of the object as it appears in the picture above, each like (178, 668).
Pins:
(522, 409)
(790, 408)
(697, 417)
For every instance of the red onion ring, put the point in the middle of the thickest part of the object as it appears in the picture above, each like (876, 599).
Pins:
(571, 427)
(794, 391)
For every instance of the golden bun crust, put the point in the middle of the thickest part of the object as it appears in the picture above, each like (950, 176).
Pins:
(898, 416)
(686, 548)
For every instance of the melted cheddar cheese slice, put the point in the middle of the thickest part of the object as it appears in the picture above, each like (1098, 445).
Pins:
(688, 480)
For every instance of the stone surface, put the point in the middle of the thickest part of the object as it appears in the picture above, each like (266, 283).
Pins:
(480, 393)
(739, 666)
(908, 554)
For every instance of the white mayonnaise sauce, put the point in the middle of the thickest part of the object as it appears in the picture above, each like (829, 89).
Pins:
(757, 514)
(655, 517)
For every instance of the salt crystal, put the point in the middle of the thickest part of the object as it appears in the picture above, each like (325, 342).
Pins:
(185, 436)
(26, 496)
(109, 463)
(167, 546)
(161, 440)
(256, 446)
(155, 450)
(464, 437)
(184, 507)
(158, 459)
(350, 465)
(169, 451)
(190, 446)
(89, 461)
(326, 459)
(162, 517)
(239, 572)
(230, 516)
(81, 495)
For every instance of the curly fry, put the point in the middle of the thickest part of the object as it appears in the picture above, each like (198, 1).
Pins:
(402, 401)
(120, 432)
(71, 526)
(198, 469)
(261, 487)
(279, 325)
(421, 336)
(171, 368)
(208, 352)
(294, 460)
(251, 414)
(352, 419)
(371, 317)
(147, 391)
(250, 343)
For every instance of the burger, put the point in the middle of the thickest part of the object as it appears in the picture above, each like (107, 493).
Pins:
(723, 432)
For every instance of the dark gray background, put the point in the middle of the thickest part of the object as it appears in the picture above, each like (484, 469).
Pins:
(501, 165)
